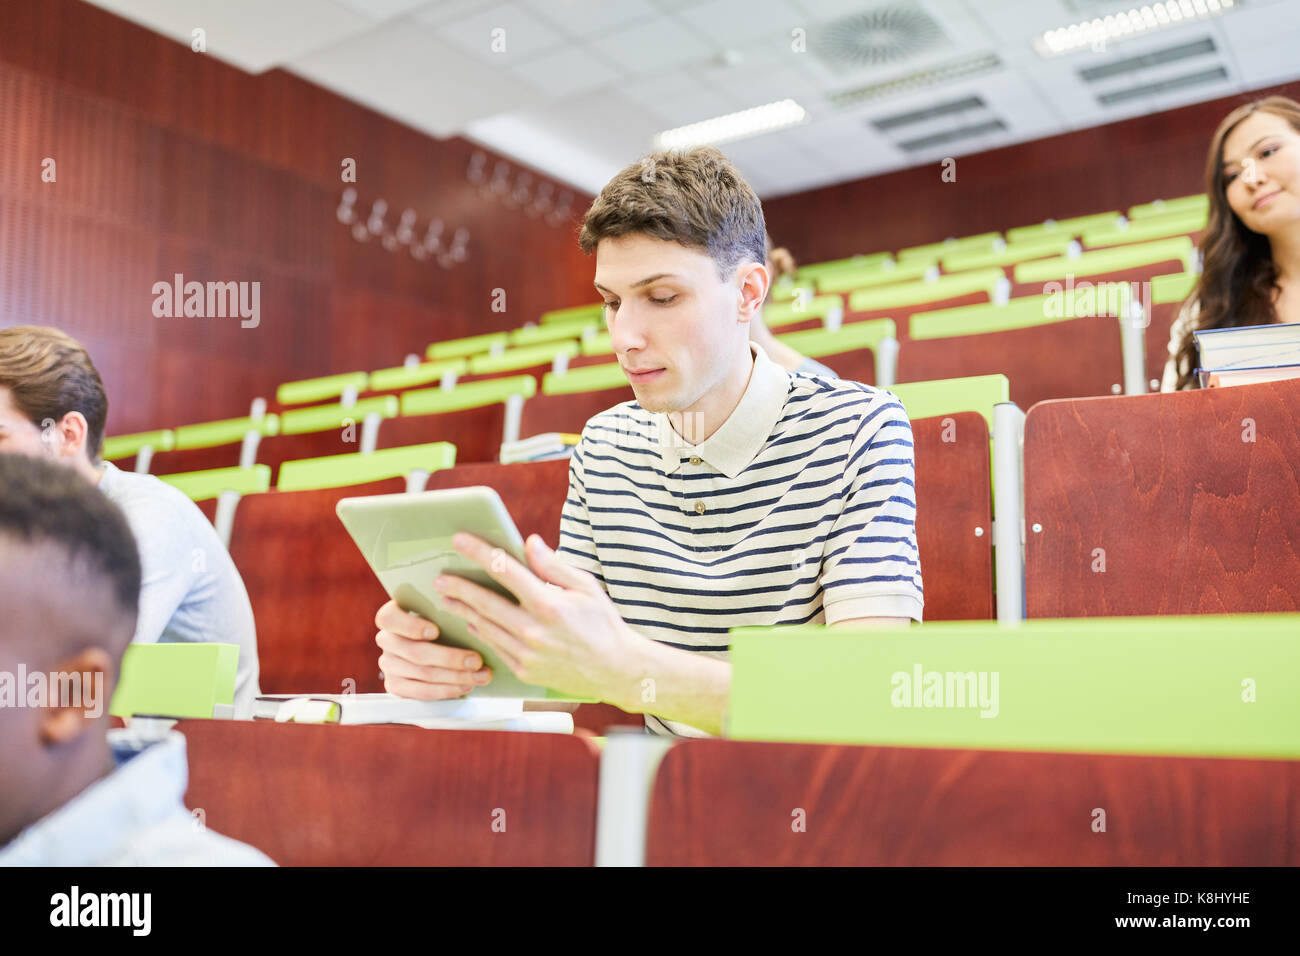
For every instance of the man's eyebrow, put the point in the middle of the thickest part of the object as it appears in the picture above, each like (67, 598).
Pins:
(644, 282)
(1251, 147)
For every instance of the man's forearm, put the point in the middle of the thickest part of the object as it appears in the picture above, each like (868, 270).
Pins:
(676, 685)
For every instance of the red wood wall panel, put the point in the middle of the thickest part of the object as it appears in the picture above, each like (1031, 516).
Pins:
(170, 161)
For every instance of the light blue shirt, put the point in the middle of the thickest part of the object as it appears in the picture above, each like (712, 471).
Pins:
(132, 817)
(191, 591)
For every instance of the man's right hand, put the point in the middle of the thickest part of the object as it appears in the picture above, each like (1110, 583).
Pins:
(414, 666)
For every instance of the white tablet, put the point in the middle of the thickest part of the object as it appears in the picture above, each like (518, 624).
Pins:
(406, 540)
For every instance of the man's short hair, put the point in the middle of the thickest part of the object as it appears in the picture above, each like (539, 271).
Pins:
(49, 374)
(44, 504)
(694, 197)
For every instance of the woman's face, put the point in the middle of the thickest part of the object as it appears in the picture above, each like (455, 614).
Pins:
(1261, 173)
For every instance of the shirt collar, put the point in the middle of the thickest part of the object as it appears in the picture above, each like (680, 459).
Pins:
(146, 788)
(738, 441)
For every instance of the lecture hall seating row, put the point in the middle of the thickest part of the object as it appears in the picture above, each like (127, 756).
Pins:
(870, 287)
(326, 795)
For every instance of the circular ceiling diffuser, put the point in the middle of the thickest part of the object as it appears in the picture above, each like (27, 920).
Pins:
(878, 37)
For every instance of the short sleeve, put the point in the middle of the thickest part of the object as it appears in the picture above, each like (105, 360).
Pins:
(871, 566)
(577, 545)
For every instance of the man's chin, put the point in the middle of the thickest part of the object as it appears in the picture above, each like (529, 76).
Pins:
(654, 405)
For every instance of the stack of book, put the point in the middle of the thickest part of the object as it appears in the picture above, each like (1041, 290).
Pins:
(539, 447)
(1248, 354)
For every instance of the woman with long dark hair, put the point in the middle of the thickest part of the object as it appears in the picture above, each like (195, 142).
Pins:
(1250, 273)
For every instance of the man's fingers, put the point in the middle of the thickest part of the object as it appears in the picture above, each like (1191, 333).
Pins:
(507, 647)
(505, 570)
(392, 618)
(548, 566)
(464, 598)
(396, 667)
(427, 654)
(419, 690)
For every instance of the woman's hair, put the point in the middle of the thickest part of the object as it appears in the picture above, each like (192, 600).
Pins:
(1238, 276)
(781, 259)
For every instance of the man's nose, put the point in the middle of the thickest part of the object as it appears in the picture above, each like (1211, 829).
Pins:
(626, 330)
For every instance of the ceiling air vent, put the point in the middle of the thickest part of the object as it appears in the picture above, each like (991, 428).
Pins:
(1146, 61)
(1163, 86)
(878, 37)
(953, 135)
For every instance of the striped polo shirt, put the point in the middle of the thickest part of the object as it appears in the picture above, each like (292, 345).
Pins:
(799, 509)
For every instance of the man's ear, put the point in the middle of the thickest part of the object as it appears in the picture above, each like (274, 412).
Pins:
(78, 694)
(754, 280)
(66, 437)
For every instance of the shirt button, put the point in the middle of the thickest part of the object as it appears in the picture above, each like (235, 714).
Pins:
(695, 460)
(699, 507)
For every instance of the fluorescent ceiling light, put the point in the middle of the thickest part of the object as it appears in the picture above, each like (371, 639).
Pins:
(1137, 21)
(733, 126)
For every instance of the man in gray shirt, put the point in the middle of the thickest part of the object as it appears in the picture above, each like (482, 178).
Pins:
(52, 405)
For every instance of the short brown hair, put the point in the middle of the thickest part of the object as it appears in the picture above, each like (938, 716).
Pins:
(694, 197)
(49, 374)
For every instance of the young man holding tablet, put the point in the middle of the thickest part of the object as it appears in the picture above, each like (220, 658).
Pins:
(729, 493)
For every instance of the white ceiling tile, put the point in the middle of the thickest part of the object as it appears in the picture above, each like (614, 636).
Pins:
(651, 89)
(756, 84)
(381, 10)
(585, 18)
(656, 47)
(505, 34)
(699, 104)
(405, 71)
(437, 13)
(249, 34)
(736, 22)
(566, 72)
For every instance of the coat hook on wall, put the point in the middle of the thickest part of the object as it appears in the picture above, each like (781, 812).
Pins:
(477, 172)
(376, 221)
(346, 211)
(500, 184)
(561, 211)
(542, 203)
(460, 245)
(402, 235)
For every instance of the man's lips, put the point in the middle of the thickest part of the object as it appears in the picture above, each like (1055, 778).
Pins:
(1255, 204)
(644, 375)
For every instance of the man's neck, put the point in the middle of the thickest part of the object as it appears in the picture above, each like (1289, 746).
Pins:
(83, 764)
(695, 424)
(88, 471)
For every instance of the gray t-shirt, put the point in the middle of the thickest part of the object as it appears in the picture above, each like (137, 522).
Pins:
(191, 590)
